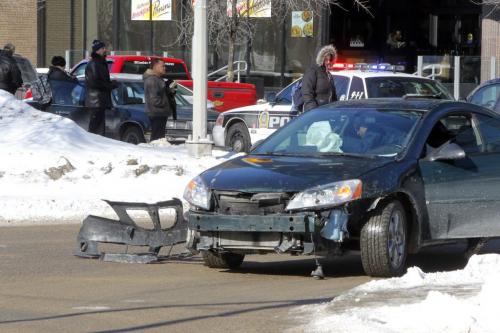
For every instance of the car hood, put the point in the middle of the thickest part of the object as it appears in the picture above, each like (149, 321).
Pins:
(254, 173)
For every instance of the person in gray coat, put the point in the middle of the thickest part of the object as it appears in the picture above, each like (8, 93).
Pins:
(158, 96)
(317, 84)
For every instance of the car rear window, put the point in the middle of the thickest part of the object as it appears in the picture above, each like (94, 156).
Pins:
(174, 71)
(400, 86)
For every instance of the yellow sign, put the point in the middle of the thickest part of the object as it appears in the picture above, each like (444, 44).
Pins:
(264, 120)
(141, 10)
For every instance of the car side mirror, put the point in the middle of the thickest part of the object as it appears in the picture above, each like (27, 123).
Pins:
(255, 145)
(448, 151)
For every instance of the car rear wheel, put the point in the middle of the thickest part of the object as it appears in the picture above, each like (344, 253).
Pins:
(238, 138)
(222, 260)
(383, 241)
(133, 135)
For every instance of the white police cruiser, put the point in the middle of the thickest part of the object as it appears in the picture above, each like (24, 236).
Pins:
(239, 128)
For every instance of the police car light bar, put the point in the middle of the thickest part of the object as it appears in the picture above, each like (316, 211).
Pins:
(380, 67)
(339, 66)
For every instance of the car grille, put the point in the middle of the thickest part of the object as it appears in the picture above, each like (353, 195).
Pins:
(240, 203)
(186, 125)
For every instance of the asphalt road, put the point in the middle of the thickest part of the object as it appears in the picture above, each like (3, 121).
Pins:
(43, 288)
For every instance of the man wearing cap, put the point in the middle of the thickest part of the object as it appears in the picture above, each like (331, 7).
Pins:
(10, 75)
(99, 86)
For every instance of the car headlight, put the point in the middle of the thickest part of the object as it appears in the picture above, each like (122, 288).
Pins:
(220, 120)
(197, 193)
(327, 195)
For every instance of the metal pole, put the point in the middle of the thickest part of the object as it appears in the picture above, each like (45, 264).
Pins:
(283, 50)
(84, 28)
(151, 32)
(456, 78)
(199, 144)
(116, 24)
(420, 65)
(493, 68)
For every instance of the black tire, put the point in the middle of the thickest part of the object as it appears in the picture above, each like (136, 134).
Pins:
(133, 135)
(383, 241)
(238, 138)
(222, 260)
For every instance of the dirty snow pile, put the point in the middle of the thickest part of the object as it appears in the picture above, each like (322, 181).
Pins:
(53, 171)
(462, 301)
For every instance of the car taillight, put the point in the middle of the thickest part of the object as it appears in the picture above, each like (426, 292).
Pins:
(28, 94)
(220, 120)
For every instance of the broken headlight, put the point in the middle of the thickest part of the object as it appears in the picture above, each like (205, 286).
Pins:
(328, 195)
(197, 193)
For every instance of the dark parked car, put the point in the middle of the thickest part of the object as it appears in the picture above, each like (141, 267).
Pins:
(487, 95)
(387, 177)
(127, 120)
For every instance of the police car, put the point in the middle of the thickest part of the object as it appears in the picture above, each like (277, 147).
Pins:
(239, 128)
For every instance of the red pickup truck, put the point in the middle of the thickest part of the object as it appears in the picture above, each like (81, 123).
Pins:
(224, 95)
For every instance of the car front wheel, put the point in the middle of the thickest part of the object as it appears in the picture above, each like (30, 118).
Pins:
(133, 135)
(222, 260)
(238, 138)
(384, 241)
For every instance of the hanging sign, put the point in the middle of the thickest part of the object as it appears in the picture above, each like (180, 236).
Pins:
(303, 24)
(252, 8)
(162, 10)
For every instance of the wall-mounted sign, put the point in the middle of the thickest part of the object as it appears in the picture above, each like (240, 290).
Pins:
(162, 10)
(252, 8)
(303, 24)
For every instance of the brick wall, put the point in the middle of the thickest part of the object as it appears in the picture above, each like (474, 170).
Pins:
(18, 25)
(58, 29)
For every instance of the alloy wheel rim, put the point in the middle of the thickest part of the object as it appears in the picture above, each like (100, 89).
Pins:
(397, 240)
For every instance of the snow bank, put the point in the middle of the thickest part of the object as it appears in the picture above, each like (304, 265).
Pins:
(53, 171)
(462, 301)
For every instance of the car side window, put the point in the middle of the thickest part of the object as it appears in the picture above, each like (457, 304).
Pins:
(457, 129)
(341, 85)
(357, 90)
(490, 132)
(67, 93)
(80, 69)
(487, 96)
(285, 96)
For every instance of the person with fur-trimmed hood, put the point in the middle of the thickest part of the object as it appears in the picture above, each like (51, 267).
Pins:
(317, 83)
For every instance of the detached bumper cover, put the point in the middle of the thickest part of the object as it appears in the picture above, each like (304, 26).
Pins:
(125, 231)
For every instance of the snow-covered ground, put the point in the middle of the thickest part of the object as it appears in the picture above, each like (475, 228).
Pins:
(53, 171)
(462, 301)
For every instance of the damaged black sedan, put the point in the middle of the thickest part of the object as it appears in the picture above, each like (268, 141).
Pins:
(386, 177)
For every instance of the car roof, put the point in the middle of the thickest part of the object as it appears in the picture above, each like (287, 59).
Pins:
(422, 104)
(372, 73)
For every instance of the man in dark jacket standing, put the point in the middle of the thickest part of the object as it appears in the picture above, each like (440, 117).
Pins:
(158, 97)
(99, 86)
(58, 72)
(317, 84)
(10, 75)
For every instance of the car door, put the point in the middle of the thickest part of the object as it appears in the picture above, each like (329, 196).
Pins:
(462, 195)
(68, 100)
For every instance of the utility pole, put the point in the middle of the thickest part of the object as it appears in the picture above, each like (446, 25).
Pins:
(199, 144)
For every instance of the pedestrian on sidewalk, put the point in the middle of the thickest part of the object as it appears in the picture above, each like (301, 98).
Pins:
(99, 87)
(317, 85)
(10, 75)
(160, 101)
(58, 70)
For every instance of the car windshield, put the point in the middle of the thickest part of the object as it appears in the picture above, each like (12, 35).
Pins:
(392, 86)
(363, 132)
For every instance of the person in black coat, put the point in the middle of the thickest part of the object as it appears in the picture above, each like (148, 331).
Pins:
(10, 75)
(57, 70)
(317, 83)
(160, 101)
(99, 87)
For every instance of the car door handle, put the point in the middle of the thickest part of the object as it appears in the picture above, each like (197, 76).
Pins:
(218, 94)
